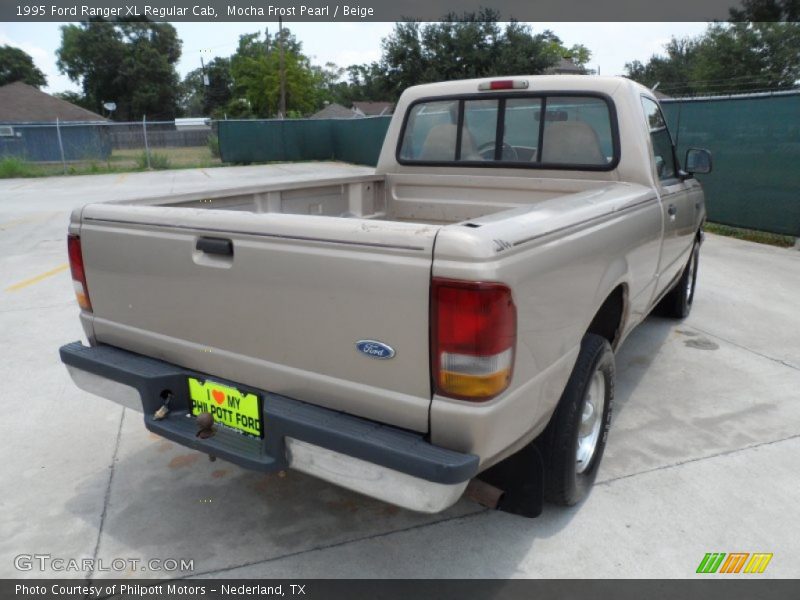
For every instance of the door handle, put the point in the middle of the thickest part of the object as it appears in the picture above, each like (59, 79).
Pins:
(672, 210)
(211, 245)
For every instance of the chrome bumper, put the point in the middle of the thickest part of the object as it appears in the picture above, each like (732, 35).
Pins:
(122, 394)
(372, 480)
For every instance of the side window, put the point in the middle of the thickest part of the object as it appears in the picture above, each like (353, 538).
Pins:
(662, 142)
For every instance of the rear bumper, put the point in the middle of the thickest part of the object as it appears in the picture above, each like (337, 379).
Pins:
(384, 462)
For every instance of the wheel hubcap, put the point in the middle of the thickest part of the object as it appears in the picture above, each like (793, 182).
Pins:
(591, 421)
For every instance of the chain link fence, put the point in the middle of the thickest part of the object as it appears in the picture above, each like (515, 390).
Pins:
(93, 147)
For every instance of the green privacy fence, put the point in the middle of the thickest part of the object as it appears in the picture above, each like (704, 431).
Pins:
(359, 140)
(350, 140)
(755, 142)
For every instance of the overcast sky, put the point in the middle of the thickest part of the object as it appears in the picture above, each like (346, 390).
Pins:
(611, 44)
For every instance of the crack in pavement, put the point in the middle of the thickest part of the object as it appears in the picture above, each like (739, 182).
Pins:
(107, 496)
(340, 544)
(697, 459)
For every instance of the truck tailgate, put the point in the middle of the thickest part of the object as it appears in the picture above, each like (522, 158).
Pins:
(283, 313)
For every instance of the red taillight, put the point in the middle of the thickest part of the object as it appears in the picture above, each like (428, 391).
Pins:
(78, 272)
(503, 84)
(473, 338)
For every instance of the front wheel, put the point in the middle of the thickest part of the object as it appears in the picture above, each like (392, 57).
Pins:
(575, 438)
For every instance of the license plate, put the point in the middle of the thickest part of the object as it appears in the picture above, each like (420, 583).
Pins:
(229, 406)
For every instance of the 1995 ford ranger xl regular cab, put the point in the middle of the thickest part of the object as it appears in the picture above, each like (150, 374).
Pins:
(399, 330)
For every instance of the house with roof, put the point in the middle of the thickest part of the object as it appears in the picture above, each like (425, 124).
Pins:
(35, 126)
(373, 109)
(334, 111)
(566, 66)
(23, 103)
(358, 110)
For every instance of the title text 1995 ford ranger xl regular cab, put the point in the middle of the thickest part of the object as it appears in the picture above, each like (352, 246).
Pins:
(399, 330)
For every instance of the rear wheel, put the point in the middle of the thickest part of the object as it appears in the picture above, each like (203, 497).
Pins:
(575, 439)
(677, 304)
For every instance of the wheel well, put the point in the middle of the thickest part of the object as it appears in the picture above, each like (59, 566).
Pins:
(607, 322)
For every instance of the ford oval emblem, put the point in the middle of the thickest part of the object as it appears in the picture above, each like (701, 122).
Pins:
(375, 349)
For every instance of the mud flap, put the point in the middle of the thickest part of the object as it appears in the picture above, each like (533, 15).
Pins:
(521, 477)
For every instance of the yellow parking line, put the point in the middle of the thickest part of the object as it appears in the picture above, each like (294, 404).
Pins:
(30, 219)
(37, 279)
(22, 185)
(9, 224)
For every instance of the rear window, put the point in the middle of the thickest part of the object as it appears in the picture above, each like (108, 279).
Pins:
(542, 131)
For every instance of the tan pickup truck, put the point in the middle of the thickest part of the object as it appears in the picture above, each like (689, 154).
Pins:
(400, 330)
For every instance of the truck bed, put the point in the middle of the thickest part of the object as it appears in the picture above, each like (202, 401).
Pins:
(321, 256)
(340, 190)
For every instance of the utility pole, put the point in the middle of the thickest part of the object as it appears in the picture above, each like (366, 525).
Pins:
(205, 82)
(282, 69)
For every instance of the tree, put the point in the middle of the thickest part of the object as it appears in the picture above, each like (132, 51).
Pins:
(17, 65)
(201, 99)
(765, 11)
(256, 72)
(75, 98)
(192, 94)
(743, 57)
(740, 56)
(579, 54)
(458, 47)
(129, 62)
(329, 78)
(363, 82)
(673, 72)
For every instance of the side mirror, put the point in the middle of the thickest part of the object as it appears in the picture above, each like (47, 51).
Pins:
(698, 160)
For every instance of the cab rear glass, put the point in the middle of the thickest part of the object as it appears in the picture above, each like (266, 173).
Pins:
(537, 131)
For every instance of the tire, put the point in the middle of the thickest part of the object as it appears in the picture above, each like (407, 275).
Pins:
(572, 453)
(677, 304)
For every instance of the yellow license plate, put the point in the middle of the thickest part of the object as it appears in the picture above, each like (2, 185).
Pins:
(229, 406)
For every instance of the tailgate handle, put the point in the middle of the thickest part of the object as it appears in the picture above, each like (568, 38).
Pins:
(211, 245)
